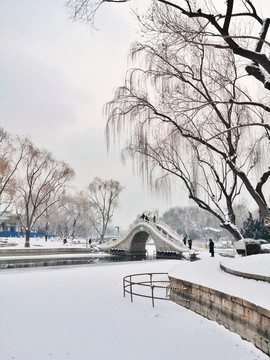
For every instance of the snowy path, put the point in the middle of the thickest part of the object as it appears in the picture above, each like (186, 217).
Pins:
(79, 313)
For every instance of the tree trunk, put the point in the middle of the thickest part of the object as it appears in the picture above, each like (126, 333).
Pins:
(232, 230)
(27, 238)
(46, 230)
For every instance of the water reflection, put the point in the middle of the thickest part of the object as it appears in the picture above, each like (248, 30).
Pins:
(121, 258)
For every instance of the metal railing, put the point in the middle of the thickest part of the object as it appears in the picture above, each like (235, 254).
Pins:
(149, 286)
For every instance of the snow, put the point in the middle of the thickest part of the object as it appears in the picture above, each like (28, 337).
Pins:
(79, 312)
(207, 272)
(255, 264)
(265, 247)
(213, 229)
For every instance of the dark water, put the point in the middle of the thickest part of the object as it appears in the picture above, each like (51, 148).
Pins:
(69, 261)
(150, 254)
(121, 258)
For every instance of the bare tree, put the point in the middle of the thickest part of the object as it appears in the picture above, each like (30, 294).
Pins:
(41, 184)
(191, 221)
(52, 219)
(103, 199)
(74, 208)
(241, 211)
(12, 151)
(59, 222)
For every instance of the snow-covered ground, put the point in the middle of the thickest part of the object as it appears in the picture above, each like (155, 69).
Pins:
(207, 272)
(79, 313)
(39, 242)
(255, 264)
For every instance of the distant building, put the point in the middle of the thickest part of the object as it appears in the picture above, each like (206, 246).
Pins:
(9, 222)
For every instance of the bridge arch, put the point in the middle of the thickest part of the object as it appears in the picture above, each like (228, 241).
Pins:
(138, 242)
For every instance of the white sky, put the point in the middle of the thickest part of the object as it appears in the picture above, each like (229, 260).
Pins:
(56, 75)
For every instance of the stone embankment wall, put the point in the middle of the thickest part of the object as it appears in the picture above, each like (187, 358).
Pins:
(42, 251)
(245, 275)
(250, 321)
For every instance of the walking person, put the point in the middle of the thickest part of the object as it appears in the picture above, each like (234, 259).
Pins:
(189, 243)
(211, 247)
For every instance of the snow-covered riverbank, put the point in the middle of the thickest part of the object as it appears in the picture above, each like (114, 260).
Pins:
(80, 313)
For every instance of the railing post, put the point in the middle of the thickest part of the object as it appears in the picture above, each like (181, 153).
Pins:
(131, 295)
(152, 288)
(124, 287)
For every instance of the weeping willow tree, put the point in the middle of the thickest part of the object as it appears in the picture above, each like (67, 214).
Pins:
(183, 110)
(234, 24)
(184, 97)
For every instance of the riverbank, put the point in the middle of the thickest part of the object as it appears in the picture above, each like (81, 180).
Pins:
(79, 312)
(207, 272)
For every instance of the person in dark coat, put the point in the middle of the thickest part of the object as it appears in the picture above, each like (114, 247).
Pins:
(189, 243)
(211, 247)
(142, 216)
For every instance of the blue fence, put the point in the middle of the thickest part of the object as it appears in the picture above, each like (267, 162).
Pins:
(19, 234)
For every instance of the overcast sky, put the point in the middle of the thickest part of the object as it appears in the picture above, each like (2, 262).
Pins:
(56, 76)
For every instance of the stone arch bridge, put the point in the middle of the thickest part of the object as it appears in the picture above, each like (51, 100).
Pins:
(168, 243)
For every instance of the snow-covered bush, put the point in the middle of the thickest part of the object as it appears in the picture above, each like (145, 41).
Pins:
(266, 248)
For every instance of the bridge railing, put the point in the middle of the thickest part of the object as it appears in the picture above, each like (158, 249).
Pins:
(170, 230)
(167, 231)
(161, 227)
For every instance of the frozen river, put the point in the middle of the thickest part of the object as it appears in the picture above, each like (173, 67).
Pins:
(79, 313)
